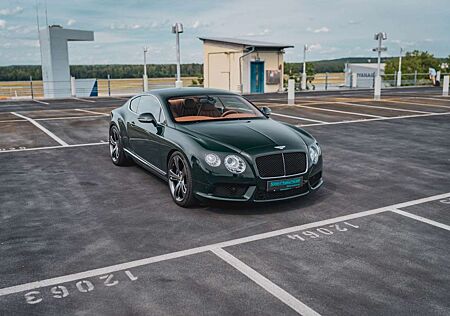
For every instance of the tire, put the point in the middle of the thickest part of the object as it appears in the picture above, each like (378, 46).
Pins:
(180, 180)
(117, 154)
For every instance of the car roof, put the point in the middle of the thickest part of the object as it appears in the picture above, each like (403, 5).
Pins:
(179, 92)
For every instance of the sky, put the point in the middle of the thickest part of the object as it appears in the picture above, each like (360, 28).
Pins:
(331, 28)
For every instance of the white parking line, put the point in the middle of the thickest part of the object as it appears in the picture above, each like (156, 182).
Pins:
(265, 283)
(415, 103)
(437, 99)
(7, 121)
(69, 117)
(211, 247)
(41, 102)
(42, 128)
(92, 112)
(377, 119)
(339, 111)
(382, 107)
(298, 118)
(420, 218)
(52, 147)
(85, 100)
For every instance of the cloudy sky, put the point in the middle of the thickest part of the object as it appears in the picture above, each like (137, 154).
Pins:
(332, 28)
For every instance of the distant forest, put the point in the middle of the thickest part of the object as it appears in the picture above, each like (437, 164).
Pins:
(19, 73)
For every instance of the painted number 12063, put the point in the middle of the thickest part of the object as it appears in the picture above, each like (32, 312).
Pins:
(322, 231)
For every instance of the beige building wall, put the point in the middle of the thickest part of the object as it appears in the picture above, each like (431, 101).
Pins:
(221, 66)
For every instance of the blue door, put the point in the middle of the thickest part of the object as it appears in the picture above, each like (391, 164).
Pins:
(257, 77)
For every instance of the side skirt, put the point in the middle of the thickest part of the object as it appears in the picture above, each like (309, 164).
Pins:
(145, 164)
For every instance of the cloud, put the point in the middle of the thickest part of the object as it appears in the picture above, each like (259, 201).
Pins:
(21, 29)
(316, 46)
(403, 43)
(125, 26)
(323, 29)
(2, 24)
(71, 22)
(13, 11)
(198, 24)
(353, 22)
(262, 33)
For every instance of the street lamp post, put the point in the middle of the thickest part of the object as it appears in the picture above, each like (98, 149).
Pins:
(399, 74)
(377, 89)
(303, 85)
(177, 28)
(145, 69)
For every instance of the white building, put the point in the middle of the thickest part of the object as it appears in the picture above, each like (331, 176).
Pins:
(365, 74)
(243, 66)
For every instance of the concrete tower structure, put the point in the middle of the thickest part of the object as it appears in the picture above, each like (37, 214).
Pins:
(55, 58)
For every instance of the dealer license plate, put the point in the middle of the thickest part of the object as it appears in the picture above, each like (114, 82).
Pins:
(284, 184)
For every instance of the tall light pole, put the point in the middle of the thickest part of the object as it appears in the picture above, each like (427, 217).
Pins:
(379, 37)
(399, 73)
(177, 28)
(303, 85)
(145, 69)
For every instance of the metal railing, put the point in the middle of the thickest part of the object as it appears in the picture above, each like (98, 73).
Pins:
(104, 87)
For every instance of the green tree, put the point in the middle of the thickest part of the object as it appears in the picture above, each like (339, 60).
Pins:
(412, 61)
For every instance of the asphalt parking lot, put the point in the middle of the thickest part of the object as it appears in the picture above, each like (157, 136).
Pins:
(80, 236)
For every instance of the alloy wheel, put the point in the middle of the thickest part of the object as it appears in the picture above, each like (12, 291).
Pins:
(177, 179)
(114, 144)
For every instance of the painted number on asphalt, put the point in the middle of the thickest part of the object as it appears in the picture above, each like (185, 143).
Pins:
(445, 201)
(82, 286)
(13, 148)
(322, 231)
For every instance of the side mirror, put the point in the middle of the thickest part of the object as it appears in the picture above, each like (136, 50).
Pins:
(147, 118)
(266, 111)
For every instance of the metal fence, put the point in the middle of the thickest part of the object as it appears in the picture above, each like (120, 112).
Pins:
(104, 87)
(116, 87)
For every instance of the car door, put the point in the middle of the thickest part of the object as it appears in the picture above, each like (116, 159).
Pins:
(134, 134)
(149, 139)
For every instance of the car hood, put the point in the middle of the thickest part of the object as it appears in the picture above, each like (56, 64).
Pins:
(249, 136)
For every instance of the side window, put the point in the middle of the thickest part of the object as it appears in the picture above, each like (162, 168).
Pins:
(149, 104)
(134, 104)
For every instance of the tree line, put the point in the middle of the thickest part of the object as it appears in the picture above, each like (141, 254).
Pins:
(415, 60)
(23, 72)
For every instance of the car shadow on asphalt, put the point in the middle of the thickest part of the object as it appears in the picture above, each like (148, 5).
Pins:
(322, 195)
(236, 208)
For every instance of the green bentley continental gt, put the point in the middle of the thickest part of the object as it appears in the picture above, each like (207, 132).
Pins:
(216, 145)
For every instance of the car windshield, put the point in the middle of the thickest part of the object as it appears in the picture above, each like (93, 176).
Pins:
(211, 107)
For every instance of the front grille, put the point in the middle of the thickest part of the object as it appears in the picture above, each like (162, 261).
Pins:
(262, 195)
(282, 164)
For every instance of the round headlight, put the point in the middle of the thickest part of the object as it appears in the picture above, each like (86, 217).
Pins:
(314, 153)
(235, 164)
(213, 160)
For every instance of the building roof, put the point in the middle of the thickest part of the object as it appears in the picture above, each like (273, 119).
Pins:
(245, 42)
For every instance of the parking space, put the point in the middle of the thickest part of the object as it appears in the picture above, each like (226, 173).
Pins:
(16, 135)
(79, 235)
(355, 267)
(438, 211)
(183, 286)
(52, 114)
(80, 131)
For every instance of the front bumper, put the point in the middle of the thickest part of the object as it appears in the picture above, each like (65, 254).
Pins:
(254, 190)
